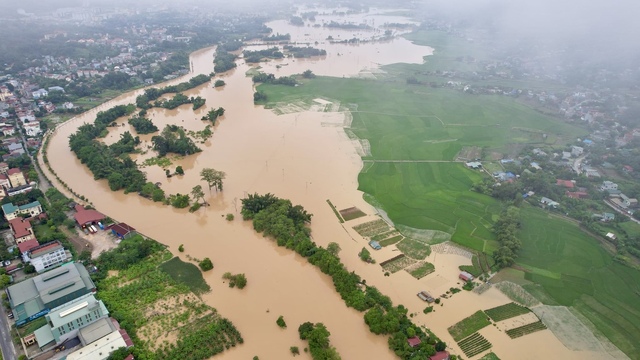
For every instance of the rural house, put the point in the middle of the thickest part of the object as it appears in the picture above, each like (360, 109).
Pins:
(47, 256)
(11, 211)
(548, 202)
(123, 231)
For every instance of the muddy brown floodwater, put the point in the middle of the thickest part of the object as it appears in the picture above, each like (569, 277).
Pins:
(303, 156)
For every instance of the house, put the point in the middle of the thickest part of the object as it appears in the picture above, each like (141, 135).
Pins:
(440, 355)
(414, 341)
(15, 147)
(25, 246)
(4, 167)
(628, 202)
(4, 181)
(68, 105)
(539, 152)
(606, 217)
(16, 177)
(8, 130)
(85, 217)
(465, 276)
(591, 172)
(611, 236)
(40, 93)
(577, 151)
(627, 169)
(577, 194)
(47, 256)
(11, 211)
(21, 230)
(549, 202)
(32, 128)
(425, 296)
(375, 245)
(569, 184)
(65, 321)
(56, 88)
(34, 297)
(536, 166)
(19, 190)
(96, 344)
(566, 155)
(474, 165)
(608, 185)
(123, 231)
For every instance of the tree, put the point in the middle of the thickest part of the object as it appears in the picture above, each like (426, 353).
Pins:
(197, 193)
(308, 74)
(179, 170)
(181, 248)
(333, 248)
(441, 346)
(206, 264)
(294, 350)
(281, 322)
(213, 178)
(5, 280)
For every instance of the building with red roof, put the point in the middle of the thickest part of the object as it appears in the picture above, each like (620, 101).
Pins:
(47, 256)
(414, 341)
(87, 216)
(21, 230)
(569, 184)
(28, 245)
(576, 194)
(440, 355)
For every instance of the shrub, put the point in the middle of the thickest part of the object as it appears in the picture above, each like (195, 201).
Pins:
(281, 322)
(294, 350)
(230, 217)
(206, 264)
(428, 309)
(181, 248)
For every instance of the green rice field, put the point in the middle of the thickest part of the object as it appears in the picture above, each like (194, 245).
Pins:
(506, 311)
(469, 325)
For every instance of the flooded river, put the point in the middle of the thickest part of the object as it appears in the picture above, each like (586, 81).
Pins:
(303, 156)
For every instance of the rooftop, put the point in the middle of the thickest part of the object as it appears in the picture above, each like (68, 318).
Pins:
(14, 171)
(46, 248)
(98, 349)
(96, 330)
(122, 228)
(84, 216)
(75, 309)
(10, 208)
(20, 227)
(28, 245)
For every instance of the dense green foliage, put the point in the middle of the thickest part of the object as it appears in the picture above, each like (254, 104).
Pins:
(237, 280)
(506, 311)
(186, 273)
(469, 325)
(213, 115)
(281, 323)
(224, 61)
(105, 161)
(271, 79)
(142, 125)
(258, 55)
(219, 83)
(319, 345)
(286, 223)
(277, 37)
(152, 94)
(153, 192)
(206, 264)
(304, 52)
(173, 139)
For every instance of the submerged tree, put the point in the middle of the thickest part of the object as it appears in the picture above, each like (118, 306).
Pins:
(197, 193)
(213, 178)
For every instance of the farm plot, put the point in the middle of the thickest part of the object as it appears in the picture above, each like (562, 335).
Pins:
(469, 325)
(474, 345)
(352, 213)
(414, 249)
(526, 329)
(506, 311)
(372, 228)
(420, 269)
(397, 263)
(390, 240)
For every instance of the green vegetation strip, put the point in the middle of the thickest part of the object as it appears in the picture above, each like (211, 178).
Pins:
(335, 211)
(372, 228)
(474, 345)
(352, 213)
(421, 270)
(526, 329)
(414, 249)
(506, 311)
(390, 241)
(469, 325)
(490, 356)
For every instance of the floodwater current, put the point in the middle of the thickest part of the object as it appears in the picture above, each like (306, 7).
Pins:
(303, 156)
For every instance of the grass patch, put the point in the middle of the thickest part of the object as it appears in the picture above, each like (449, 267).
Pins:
(32, 326)
(335, 211)
(397, 264)
(469, 325)
(526, 329)
(421, 269)
(372, 228)
(414, 249)
(506, 311)
(474, 345)
(186, 273)
(517, 293)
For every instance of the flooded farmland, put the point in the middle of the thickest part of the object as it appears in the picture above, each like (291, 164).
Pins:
(304, 156)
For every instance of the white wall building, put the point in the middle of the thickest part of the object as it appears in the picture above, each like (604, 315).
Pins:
(47, 256)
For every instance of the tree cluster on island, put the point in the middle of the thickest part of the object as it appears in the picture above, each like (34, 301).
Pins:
(296, 21)
(213, 115)
(180, 99)
(271, 79)
(142, 125)
(224, 61)
(173, 139)
(319, 344)
(152, 94)
(277, 37)
(236, 280)
(304, 52)
(219, 83)
(259, 97)
(287, 224)
(254, 56)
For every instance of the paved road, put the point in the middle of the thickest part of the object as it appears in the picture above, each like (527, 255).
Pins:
(6, 342)
(614, 207)
(577, 163)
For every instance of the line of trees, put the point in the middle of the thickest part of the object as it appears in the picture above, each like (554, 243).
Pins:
(271, 79)
(213, 115)
(505, 229)
(287, 224)
(152, 94)
(304, 52)
(257, 55)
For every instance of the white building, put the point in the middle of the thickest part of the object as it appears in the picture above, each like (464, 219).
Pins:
(32, 128)
(608, 185)
(47, 256)
(577, 151)
(549, 202)
(40, 93)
